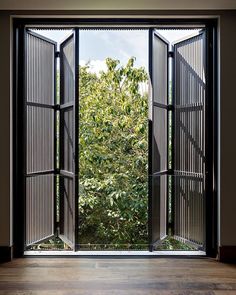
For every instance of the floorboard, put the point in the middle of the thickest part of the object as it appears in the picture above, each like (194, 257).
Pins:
(117, 276)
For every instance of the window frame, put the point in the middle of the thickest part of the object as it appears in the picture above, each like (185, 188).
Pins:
(19, 24)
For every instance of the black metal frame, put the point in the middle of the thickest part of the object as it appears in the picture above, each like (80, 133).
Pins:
(76, 139)
(24, 119)
(211, 145)
(18, 149)
(18, 126)
(171, 226)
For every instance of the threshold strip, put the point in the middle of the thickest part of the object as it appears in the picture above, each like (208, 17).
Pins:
(114, 253)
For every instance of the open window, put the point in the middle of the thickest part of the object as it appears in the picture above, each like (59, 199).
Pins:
(158, 137)
(45, 173)
(189, 142)
(178, 161)
(177, 139)
(40, 134)
(68, 168)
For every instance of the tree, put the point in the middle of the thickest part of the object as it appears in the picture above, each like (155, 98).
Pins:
(113, 159)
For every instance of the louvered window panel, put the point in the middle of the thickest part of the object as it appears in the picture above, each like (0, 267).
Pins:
(190, 93)
(40, 165)
(158, 114)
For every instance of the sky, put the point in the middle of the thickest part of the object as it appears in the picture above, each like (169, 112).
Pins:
(97, 45)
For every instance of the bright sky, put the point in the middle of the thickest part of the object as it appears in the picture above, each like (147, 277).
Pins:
(97, 45)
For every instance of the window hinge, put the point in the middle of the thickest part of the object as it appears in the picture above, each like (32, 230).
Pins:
(57, 233)
(57, 107)
(171, 54)
(57, 171)
(170, 107)
(170, 172)
(57, 54)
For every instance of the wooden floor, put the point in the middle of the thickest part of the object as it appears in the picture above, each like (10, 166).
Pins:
(117, 276)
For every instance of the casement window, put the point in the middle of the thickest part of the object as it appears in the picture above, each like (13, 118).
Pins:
(187, 109)
(180, 140)
(45, 173)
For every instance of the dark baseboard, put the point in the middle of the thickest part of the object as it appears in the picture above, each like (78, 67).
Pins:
(6, 253)
(227, 254)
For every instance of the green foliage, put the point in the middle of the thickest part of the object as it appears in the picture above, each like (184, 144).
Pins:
(113, 160)
(170, 243)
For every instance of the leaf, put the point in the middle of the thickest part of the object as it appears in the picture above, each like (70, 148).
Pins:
(113, 154)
